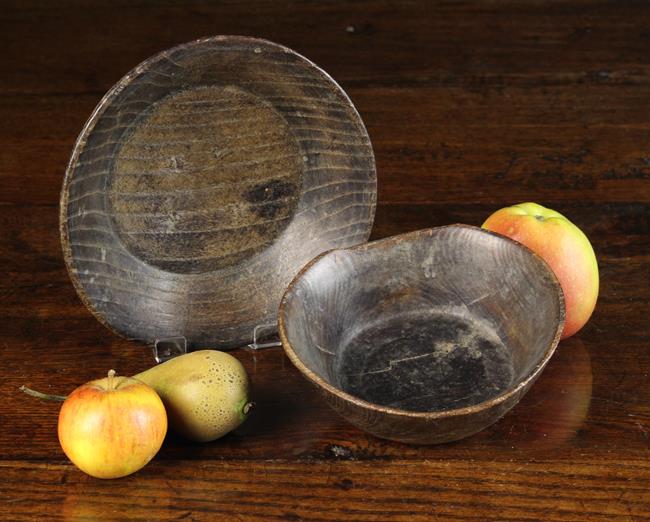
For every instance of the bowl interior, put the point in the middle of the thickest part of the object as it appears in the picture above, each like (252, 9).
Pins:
(430, 321)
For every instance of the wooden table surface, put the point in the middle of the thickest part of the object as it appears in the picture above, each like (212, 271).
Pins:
(470, 106)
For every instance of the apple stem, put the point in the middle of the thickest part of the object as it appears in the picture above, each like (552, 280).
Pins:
(111, 380)
(44, 396)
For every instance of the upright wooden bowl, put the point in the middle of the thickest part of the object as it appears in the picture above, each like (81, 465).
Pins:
(203, 181)
(426, 337)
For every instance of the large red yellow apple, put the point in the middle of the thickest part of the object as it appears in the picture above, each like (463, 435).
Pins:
(112, 427)
(563, 246)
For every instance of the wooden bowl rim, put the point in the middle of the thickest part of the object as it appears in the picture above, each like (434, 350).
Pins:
(455, 412)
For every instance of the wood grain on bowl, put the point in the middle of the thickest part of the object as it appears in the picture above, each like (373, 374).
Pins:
(203, 181)
(424, 337)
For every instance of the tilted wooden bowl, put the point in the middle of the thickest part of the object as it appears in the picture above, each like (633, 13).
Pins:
(426, 337)
(203, 181)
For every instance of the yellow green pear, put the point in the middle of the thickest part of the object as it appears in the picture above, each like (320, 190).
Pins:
(205, 393)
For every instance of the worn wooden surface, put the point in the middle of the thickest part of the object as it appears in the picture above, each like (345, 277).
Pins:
(470, 107)
(209, 175)
(423, 337)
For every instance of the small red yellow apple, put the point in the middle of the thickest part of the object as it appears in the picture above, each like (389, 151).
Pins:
(112, 427)
(563, 246)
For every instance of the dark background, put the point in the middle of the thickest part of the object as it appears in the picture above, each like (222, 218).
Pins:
(470, 106)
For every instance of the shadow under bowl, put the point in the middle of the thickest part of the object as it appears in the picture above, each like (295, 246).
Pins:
(426, 337)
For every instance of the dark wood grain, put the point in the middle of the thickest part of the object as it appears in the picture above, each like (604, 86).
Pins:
(208, 176)
(470, 106)
(339, 490)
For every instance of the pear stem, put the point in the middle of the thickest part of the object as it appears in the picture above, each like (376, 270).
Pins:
(111, 380)
(44, 396)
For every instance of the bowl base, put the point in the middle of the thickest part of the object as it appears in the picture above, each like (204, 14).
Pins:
(427, 361)
(206, 178)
